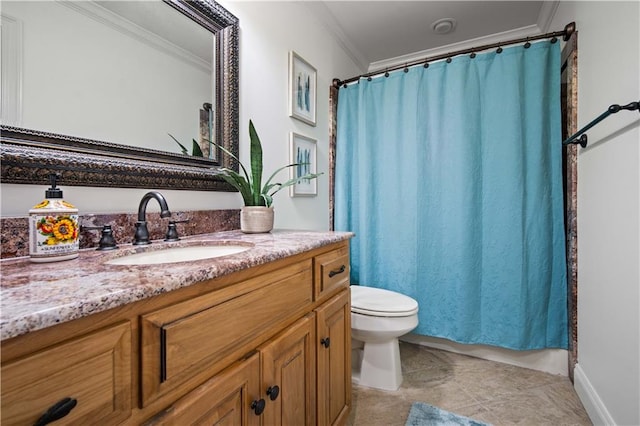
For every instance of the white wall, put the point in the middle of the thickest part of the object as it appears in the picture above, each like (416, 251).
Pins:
(608, 374)
(268, 30)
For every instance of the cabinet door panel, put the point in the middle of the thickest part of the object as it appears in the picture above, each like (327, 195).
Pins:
(289, 363)
(95, 370)
(334, 360)
(224, 400)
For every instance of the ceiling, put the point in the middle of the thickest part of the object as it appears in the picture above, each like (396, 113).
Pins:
(377, 34)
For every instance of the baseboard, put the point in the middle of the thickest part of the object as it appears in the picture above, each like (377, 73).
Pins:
(592, 403)
(554, 361)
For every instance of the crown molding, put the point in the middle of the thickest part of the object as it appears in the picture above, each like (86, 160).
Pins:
(522, 32)
(323, 15)
(114, 21)
(546, 15)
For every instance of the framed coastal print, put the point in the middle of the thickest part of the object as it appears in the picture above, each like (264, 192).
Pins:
(302, 89)
(303, 153)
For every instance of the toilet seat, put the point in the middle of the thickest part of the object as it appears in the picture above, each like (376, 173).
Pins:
(381, 303)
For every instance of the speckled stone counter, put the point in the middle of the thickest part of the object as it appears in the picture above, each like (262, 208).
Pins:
(35, 296)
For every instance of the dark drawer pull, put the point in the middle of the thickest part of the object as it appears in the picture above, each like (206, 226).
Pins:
(337, 271)
(57, 411)
(325, 342)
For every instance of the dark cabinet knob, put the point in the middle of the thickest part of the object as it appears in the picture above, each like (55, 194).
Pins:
(335, 272)
(258, 406)
(273, 392)
(325, 342)
(57, 411)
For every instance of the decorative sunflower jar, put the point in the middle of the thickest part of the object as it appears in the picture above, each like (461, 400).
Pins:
(53, 228)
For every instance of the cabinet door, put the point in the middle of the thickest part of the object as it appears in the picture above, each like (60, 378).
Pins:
(288, 363)
(226, 399)
(88, 377)
(334, 360)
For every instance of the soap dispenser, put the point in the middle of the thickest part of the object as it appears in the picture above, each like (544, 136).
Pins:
(53, 228)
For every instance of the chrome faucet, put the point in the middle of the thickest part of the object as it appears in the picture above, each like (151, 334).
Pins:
(141, 236)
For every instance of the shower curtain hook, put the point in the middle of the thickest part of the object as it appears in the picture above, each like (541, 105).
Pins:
(473, 55)
(405, 68)
(386, 73)
(527, 44)
(499, 50)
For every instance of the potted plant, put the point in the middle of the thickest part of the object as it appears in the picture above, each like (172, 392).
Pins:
(257, 214)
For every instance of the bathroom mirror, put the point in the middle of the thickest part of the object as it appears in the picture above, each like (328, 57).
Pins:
(96, 126)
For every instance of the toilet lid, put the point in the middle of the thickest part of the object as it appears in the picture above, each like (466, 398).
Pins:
(381, 303)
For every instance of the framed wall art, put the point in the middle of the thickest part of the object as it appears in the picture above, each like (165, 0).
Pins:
(302, 89)
(303, 153)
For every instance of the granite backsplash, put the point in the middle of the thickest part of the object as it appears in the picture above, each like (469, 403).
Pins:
(15, 231)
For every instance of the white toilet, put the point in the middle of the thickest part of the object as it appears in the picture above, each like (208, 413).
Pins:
(378, 318)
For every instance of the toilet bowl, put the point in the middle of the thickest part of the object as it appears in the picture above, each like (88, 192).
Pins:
(378, 318)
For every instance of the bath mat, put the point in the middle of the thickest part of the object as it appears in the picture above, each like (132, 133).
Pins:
(422, 414)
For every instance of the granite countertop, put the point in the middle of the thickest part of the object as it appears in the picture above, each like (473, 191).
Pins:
(38, 295)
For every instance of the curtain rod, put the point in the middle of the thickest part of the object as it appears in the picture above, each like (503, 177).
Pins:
(611, 110)
(569, 29)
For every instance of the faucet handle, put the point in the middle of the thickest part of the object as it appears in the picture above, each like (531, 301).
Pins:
(172, 230)
(107, 240)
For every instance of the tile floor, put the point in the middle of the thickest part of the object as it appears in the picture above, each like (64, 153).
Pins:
(488, 391)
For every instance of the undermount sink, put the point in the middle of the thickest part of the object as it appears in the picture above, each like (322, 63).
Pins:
(179, 254)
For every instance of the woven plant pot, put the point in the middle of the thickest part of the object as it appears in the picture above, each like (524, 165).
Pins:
(256, 219)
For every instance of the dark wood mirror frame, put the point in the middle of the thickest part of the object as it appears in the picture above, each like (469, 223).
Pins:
(30, 156)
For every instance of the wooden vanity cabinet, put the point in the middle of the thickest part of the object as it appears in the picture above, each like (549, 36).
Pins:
(269, 345)
(305, 370)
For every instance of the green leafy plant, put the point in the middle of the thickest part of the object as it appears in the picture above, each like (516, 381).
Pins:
(250, 186)
(195, 148)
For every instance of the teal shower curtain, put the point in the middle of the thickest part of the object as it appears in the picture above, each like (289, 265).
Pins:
(451, 178)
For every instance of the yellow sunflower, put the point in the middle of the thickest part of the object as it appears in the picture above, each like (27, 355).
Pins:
(64, 229)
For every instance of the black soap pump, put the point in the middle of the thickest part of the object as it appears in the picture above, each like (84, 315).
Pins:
(53, 227)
